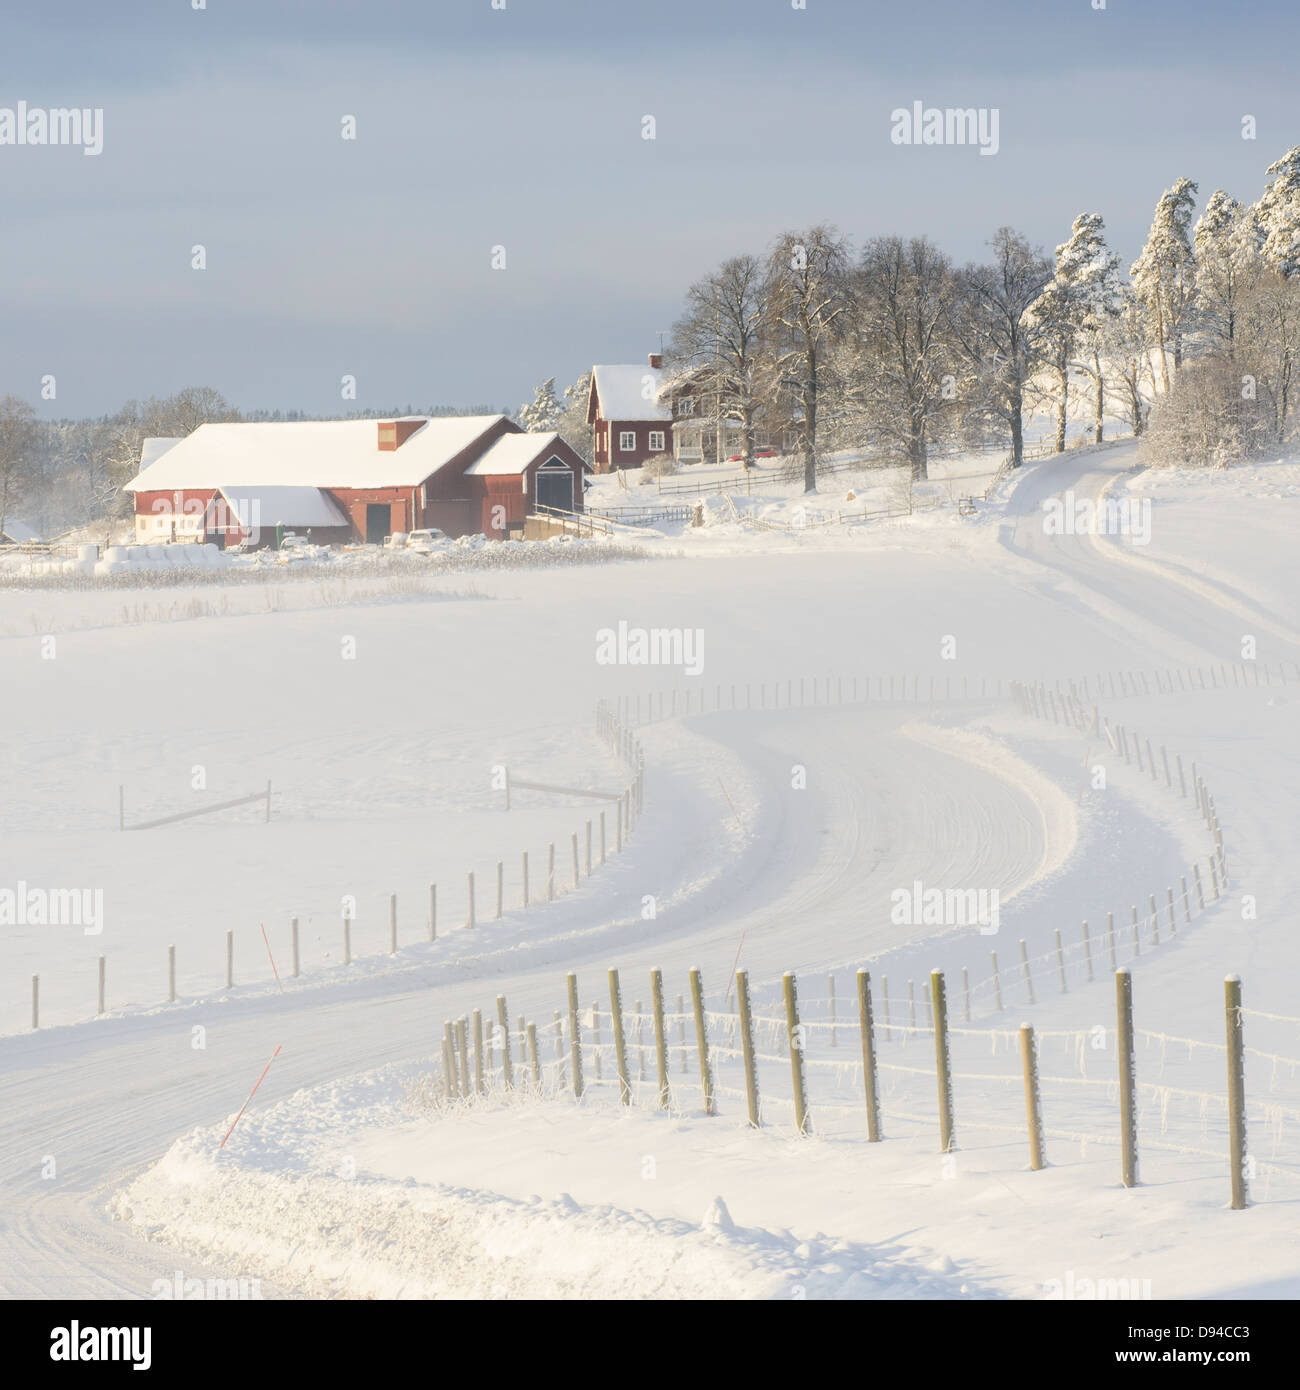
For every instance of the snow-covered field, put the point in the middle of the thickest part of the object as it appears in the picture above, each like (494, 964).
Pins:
(852, 732)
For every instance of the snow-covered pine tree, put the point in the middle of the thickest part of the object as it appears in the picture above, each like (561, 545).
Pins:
(544, 413)
(1278, 214)
(1227, 241)
(1164, 275)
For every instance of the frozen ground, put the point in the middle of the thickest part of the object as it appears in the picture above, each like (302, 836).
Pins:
(382, 773)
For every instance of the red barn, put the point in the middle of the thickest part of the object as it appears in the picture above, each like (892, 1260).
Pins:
(630, 423)
(353, 480)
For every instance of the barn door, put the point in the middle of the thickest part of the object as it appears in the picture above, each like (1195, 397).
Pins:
(379, 521)
(555, 486)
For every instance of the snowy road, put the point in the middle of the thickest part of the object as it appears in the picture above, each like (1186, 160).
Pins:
(98, 1101)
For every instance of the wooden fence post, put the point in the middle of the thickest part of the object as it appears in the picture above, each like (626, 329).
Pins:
(1236, 1093)
(1060, 961)
(1087, 950)
(1110, 937)
(1214, 879)
(433, 912)
(1127, 1077)
(1187, 907)
(575, 1038)
(620, 1042)
(747, 1045)
(534, 1058)
(943, 1061)
(230, 960)
(1137, 939)
(392, 924)
(462, 1055)
(293, 936)
(36, 1001)
(507, 1062)
(588, 849)
(867, 1028)
(470, 922)
(524, 877)
(171, 974)
(574, 840)
(1033, 1109)
(702, 1040)
(347, 939)
(965, 994)
(661, 1040)
(997, 983)
(448, 1062)
(478, 1051)
(796, 1042)
(1200, 894)
(1155, 919)
(640, 1043)
(100, 1008)
(1182, 780)
(602, 837)
(550, 872)
(1024, 966)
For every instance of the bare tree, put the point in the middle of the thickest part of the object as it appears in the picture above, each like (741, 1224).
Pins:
(998, 334)
(807, 295)
(17, 448)
(903, 347)
(716, 342)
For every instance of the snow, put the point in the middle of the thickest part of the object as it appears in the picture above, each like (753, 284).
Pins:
(512, 453)
(831, 756)
(153, 448)
(312, 453)
(18, 532)
(628, 393)
(284, 506)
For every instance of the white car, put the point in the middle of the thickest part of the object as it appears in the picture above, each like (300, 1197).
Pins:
(428, 541)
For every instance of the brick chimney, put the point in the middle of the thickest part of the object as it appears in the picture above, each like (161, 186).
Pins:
(656, 359)
(394, 433)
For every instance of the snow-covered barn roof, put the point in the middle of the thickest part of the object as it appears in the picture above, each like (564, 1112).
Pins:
(630, 392)
(309, 453)
(152, 449)
(513, 453)
(18, 532)
(283, 506)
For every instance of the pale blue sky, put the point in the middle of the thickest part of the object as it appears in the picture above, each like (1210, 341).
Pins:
(522, 127)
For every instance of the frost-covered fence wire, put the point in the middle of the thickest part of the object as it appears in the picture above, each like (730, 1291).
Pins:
(1076, 1084)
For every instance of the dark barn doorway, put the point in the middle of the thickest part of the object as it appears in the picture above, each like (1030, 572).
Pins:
(379, 518)
(555, 485)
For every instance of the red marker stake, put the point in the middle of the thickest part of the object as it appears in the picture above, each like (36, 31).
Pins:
(251, 1094)
(271, 957)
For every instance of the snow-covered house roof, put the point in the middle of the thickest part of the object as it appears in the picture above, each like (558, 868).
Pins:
(628, 393)
(17, 533)
(310, 453)
(512, 454)
(152, 449)
(283, 506)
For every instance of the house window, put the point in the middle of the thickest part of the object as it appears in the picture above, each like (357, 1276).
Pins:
(686, 405)
(657, 441)
(626, 441)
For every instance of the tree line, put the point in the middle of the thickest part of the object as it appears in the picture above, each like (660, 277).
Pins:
(891, 348)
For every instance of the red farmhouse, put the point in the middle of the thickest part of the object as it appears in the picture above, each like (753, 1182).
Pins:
(630, 422)
(353, 480)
